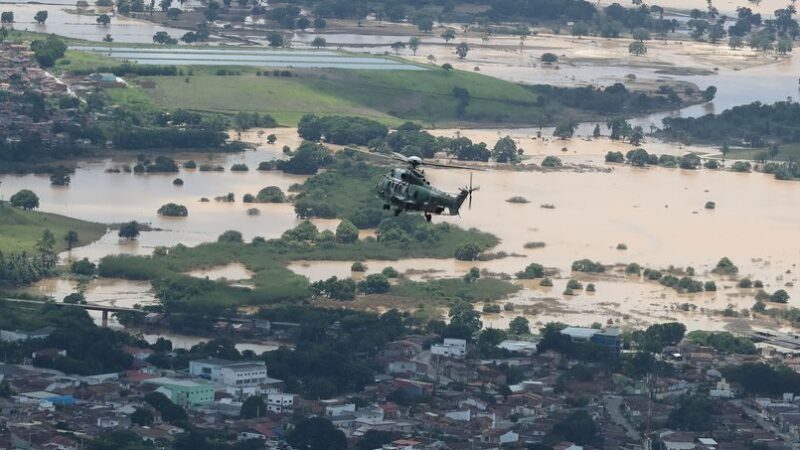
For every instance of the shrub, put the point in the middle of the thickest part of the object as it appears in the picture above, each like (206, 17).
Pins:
(374, 284)
(741, 166)
(587, 265)
(725, 267)
(534, 244)
(517, 199)
(346, 232)
(239, 168)
(83, 267)
(590, 287)
(491, 308)
(173, 210)
(390, 272)
(231, 237)
(546, 282)
(711, 164)
(253, 211)
(574, 284)
(710, 205)
(177, 182)
(467, 252)
(549, 58)
(533, 270)
(551, 161)
(248, 198)
(710, 286)
(779, 296)
(633, 268)
(622, 246)
(744, 283)
(615, 157)
(358, 267)
(271, 194)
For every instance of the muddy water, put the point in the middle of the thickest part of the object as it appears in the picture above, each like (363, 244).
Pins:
(84, 26)
(658, 213)
(231, 272)
(118, 197)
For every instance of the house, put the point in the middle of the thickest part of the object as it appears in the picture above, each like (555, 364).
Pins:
(108, 80)
(450, 348)
(280, 403)
(610, 337)
(721, 390)
(22, 335)
(184, 392)
(340, 409)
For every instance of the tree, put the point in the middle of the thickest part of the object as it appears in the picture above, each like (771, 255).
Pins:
(162, 37)
(230, 237)
(76, 298)
(505, 150)
(302, 23)
(173, 13)
(129, 230)
(60, 177)
(735, 42)
(83, 267)
(637, 48)
(377, 283)
(173, 210)
(467, 252)
(316, 433)
(694, 413)
(779, 296)
(397, 46)
(565, 130)
(71, 238)
(165, 5)
(275, 39)
(25, 199)
(519, 325)
(448, 34)
(346, 232)
(462, 50)
(425, 24)
(40, 17)
(463, 314)
(142, 417)
(549, 58)
(580, 29)
(413, 44)
(637, 135)
(104, 19)
(532, 270)
(253, 407)
(320, 23)
(472, 275)
(46, 243)
(7, 17)
(578, 427)
(319, 42)
(641, 34)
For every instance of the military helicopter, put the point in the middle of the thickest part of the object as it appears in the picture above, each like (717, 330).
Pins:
(408, 189)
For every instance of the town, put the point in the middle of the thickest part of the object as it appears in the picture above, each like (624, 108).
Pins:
(573, 388)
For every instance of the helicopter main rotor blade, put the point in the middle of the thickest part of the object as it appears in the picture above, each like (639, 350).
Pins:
(393, 156)
(451, 166)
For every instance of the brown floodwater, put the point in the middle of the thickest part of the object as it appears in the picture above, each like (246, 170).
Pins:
(658, 213)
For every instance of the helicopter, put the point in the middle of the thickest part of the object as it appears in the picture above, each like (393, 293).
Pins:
(408, 189)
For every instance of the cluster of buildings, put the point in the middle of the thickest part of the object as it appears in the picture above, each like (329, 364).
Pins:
(430, 396)
(21, 74)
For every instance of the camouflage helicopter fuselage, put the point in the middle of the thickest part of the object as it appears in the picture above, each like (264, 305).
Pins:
(408, 190)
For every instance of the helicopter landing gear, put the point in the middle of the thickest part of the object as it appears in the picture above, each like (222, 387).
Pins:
(386, 207)
(428, 217)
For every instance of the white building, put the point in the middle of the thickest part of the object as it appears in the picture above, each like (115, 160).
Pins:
(450, 348)
(340, 409)
(280, 403)
(721, 390)
(21, 335)
(239, 374)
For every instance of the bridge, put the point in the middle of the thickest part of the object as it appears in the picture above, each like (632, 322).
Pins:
(105, 309)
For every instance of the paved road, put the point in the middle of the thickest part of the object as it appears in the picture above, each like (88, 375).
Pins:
(612, 404)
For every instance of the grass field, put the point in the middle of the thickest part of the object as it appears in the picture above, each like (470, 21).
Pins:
(447, 289)
(19, 229)
(391, 97)
(786, 152)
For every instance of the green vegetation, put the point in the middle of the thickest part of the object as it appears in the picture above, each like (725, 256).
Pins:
(387, 96)
(723, 342)
(451, 289)
(532, 270)
(404, 237)
(21, 229)
(763, 379)
(173, 210)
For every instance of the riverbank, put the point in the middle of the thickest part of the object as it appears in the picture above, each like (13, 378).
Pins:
(20, 229)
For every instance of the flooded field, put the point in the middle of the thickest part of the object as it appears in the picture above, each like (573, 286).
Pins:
(84, 25)
(256, 58)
